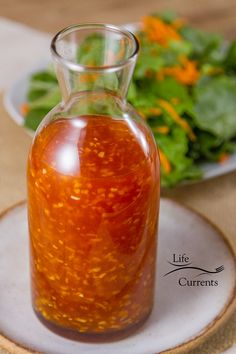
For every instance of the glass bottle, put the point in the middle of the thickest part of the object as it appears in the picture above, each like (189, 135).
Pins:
(93, 192)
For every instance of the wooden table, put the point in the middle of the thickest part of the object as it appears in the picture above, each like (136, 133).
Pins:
(51, 15)
(216, 198)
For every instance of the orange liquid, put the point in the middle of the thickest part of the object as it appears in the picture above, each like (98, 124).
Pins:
(93, 191)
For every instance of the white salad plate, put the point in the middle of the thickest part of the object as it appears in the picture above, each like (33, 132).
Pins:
(191, 301)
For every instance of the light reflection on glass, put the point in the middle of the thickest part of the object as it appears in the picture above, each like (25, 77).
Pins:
(138, 134)
(67, 160)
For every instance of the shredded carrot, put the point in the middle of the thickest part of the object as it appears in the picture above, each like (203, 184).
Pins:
(24, 109)
(155, 110)
(186, 73)
(150, 111)
(176, 117)
(159, 31)
(88, 78)
(162, 130)
(178, 23)
(175, 100)
(223, 158)
(165, 163)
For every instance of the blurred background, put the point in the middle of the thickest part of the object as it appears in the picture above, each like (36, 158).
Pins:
(51, 15)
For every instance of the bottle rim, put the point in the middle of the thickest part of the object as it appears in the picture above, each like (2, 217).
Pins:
(96, 26)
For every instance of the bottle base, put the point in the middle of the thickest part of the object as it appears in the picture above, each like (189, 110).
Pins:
(92, 337)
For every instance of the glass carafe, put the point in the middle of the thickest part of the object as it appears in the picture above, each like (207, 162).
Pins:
(93, 192)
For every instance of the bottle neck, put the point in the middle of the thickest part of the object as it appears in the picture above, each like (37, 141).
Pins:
(115, 82)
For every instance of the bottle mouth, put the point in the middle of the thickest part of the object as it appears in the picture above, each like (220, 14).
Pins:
(94, 47)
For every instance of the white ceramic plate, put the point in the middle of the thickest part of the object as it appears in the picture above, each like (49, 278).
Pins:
(182, 314)
(17, 95)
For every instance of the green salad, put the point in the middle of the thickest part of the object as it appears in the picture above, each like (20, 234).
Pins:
(184, 86)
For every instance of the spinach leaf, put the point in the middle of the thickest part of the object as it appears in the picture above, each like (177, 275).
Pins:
(209, 147)
(215, 106)
(34, 117)
(150, 59)
(48, 100)
(167, 16)
(40, 84)
(175, 147)
(168, 89)
(230, 60)
(204, 45)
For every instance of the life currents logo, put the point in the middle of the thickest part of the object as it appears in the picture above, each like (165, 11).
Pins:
(190, 274)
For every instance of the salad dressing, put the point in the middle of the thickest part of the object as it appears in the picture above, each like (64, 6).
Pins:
(92, 210)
